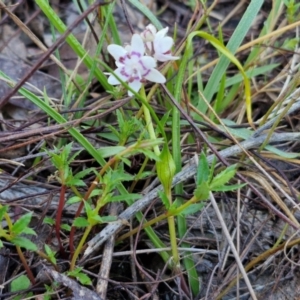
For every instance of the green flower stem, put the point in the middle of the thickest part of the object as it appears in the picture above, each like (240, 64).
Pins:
(173, 238)
(80, 246)
(148, 120)
(171, 221)
(181, 222)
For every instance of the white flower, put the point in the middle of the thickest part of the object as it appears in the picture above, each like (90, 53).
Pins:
(148, 36)
(158, 44)
(162, 46)
(132, 66)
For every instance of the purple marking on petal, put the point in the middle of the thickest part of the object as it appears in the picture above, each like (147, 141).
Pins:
(133, 78)
(146, 73)
(142, 64)
(123, 72)
(138, 54)
(123, 59)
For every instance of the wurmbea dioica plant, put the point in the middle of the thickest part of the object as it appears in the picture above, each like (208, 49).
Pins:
(137, 62)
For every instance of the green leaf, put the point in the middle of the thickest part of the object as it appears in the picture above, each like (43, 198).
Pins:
(95, 219)
(3, 211)
(20, 283)
(165, 118)
(107, 219)
(74, 199)
(243, 133)
(55, 159)
(84, 173)
(126, 161)
(83, 279)
(111, 151)
(202, 191)
(81, 222)
(223, 177)
(66, 151)
(22, 223)
(75, 182)
(162, 195)
(192, 209)
(166, 168)
(92, 215)
(120, 175)
(226, 188)
(250, 73)
(96, 192)
(72, 158)
(119, 198)
(120, 118)
(24, 243)
(143, 175)
(150, 154)
(202, 169)
(282, 153)
(65, 227)
(88, 208)
(1, 244)
(235, 41)
(212, 168)
(48, 220)
(28, 230)
(50, 253)
(115, 135)
(48, 250)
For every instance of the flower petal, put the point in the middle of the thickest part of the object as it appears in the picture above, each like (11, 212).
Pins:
(151, 28)
(113, 80)
(137, 45)
(165, 57)
(135, 85)
(155, 76)
(148, 34)
(162, 32)
(163, 45)
(148, 62)
(116, 51)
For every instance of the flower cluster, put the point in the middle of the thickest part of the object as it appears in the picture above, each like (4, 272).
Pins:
(137, 62)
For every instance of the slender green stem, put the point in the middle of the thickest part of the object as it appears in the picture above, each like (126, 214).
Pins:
(171, 221)
(181, 222)
(148, 120)
(172, 232)
(79, 247)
